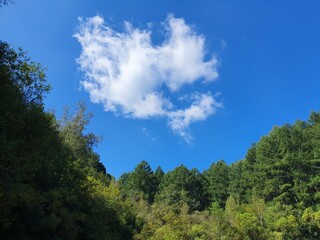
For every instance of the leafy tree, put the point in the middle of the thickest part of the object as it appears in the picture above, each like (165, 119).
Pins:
(72, 127)
(22, 123)
(50, 187)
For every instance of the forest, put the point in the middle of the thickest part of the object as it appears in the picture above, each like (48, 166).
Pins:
(54, 186)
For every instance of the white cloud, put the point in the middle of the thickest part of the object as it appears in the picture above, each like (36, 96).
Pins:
(202, 106)
(126, 73)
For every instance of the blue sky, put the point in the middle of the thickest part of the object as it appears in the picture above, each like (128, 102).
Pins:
(257, 65)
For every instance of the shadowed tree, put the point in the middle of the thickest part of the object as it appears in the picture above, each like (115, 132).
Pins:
(50, 187)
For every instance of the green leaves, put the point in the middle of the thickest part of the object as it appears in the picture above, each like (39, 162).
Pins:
(183, 186)
(52, 184)
(25, 76)
(139, 184)
(271, 194)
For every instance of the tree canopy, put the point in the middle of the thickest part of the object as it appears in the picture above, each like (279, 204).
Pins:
(54, 186)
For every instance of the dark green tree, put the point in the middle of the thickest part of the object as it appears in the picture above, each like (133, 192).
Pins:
(243, 177)
(217, 177)
(159, 174)
(183, 186)
(141, 183)
(158, 177)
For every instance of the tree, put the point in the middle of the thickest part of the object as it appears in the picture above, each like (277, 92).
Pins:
(159, 174)
(237, 187)
(183, 186)
(22, 124)
(72, 127)
(141, 183)
(50, 187)
(218, 182)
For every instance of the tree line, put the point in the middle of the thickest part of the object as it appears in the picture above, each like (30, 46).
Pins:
(54, 186)
(273, 193)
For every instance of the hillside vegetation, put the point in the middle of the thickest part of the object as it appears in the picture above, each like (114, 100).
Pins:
(53, 185)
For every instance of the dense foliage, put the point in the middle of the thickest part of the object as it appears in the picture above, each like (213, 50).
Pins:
(271, 194)
(53, 185)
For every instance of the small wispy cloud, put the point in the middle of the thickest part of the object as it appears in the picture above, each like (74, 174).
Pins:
(223, 44)
(126, 73)
(149, 135)
(145, 131)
